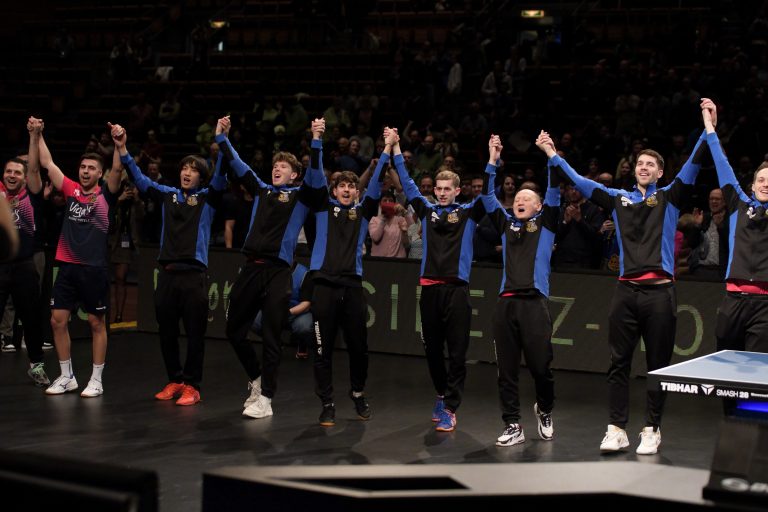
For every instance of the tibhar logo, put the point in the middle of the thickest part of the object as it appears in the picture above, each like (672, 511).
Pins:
(676, 387)
(318, 339)
(707, 388)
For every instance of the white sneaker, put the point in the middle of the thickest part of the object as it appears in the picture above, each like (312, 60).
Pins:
(254, 388)
(261, 408)
(649, 441)
(615, 439)
(62, 385)
(545, 426)
(93, 389)
(512, 435)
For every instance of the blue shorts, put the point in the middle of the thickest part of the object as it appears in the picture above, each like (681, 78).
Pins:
(83, 284)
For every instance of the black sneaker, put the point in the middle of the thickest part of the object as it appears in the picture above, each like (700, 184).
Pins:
(361, 406)
(328, 415)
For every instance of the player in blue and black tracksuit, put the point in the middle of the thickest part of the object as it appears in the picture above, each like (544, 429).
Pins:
(521, 320)
(182, 280)
(742, 319)
(264, 282)
(448, 229)
(644, 303)
(338, 300)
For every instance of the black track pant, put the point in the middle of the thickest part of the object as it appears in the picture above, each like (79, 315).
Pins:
(265, 288)
(522, 325)
(445, 317)
(182, 295)
(742, 324)
(20, 281)
(647, 311)
(335, 307)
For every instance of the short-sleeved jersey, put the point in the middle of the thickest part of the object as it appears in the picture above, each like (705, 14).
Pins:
(83, 239)
(26, 209)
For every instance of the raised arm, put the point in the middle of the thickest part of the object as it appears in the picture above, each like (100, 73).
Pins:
(684, 180)
(34, 182)
(725, 175)
(595, 192)
(409, 187)
(374, 187)
(315, 176)
(234, 160)
(490, 201)
(143, 183)
(46, 160)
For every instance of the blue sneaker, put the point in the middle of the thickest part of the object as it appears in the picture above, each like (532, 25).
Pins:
(447, 421)
(438, 408)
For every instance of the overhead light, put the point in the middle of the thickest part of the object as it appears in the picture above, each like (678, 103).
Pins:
(217, 24)
(532, 13)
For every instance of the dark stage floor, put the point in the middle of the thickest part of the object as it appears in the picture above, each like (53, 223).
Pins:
(128, 427)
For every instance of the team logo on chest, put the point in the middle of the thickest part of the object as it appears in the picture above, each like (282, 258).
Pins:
(14, 202)
(352, 214)
(651, 200)
(192, 200)
(625, 201)
(284, 197)
(453, 217)
(531, 226)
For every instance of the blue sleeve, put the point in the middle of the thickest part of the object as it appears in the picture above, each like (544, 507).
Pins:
(235, 162)
(690, 170)
(143, 183)
(490, 201)
(595, 192)
(682, 186)
(219, 181)
(552, 196)
(725, 174)
(374, 185)
(409, 187)
(315, 176)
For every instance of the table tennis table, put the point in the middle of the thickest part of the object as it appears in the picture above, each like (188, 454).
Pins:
(726, 374)
(740, 462)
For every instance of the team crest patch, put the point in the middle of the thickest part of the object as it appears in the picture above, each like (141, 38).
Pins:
(625, 201)
(93, 198)
(435, 217)
(284, 197)
(336, 211)
(192, 200)
(613, 263)
(531, 226)
(14, 202)
(651, 201)
(453, 217)
(352, 214)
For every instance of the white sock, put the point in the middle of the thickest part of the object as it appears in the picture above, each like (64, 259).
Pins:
(66, 368)
(97, 369)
